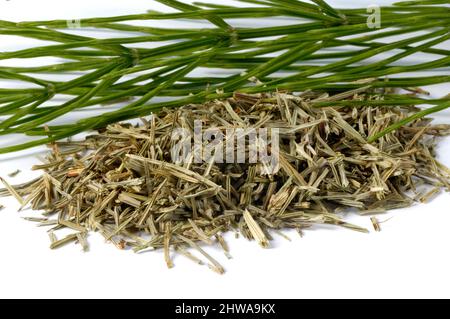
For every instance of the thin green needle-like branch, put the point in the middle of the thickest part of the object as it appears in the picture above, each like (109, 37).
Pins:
(324, 48)
(414, 117)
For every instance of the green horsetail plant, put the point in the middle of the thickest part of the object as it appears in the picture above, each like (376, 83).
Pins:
(323, 48)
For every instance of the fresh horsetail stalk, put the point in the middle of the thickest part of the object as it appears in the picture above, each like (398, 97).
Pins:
(307, 52)
(126, 182)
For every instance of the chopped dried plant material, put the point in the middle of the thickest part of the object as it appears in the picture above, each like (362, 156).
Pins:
(64, 241)
(430, 195)
(81, 237)
(224, 246)
(36, 219)
(280, 233)
(124, 184)
(375, 223)
(200, 233)
(255, 230)
(15, 173)
(72, 225)
(215, 266)
(52, 236)
(12, 191)
(188, 255)
(167, 237)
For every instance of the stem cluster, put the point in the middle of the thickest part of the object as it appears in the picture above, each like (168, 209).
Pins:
(323, 49)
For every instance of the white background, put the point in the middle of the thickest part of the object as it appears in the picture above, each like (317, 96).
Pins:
(408, 258)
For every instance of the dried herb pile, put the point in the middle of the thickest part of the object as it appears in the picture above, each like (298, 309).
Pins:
(123, 183)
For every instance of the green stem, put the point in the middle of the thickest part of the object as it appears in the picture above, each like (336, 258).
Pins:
(409, 119)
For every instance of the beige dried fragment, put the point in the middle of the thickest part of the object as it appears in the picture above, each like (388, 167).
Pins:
(224, 246)
(72, 225)
(215, 266)
(126, 198)
(180, 249)
(124, 184)
(201, 234)
(64, 241)
(81, 237)
(167, 237)
(12, 191)
(280, 233)
(375, 224)
(428, 196)
(15, 173)
(347, 128)
(52, 236)
(255, 230)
